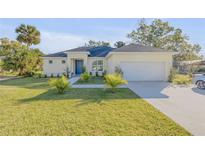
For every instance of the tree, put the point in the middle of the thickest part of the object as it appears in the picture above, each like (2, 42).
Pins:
(23, 60)
(92, 43)
(8, 46)
(119, 44)
(28, 34)
(161, 34)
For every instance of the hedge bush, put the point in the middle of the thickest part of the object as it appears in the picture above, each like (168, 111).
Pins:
(85, 76)
(182, 79)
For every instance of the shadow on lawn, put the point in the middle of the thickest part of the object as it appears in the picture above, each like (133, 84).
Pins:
(29, 82)
(84, 96)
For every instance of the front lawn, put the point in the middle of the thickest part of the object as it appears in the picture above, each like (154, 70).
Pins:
(92, 80)
(29, 107)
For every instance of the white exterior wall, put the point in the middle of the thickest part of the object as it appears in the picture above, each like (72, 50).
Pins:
(56, 67)
(115, 59)
(109, 64)
(110, 61)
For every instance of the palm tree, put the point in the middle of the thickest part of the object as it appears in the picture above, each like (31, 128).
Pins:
(28, 34)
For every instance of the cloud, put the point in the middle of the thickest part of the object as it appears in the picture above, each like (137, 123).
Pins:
(54, 42)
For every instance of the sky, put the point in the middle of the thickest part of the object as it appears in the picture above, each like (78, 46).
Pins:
(63, 34)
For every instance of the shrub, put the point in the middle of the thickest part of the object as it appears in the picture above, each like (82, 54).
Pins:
(45, 76)
(52, 75)
(172, 74)
(118, 70)
(201, 70)
(96, 73)
(84, 69)
(114, 80)
(37, 75)
(40, 75)
(182, 79)
(64, 74)
(85, 76)
(104, 74)
(67, 73)
(61, 84)
(58, 76)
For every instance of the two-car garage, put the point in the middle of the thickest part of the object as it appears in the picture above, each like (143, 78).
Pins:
(144, 71)
(141, 63)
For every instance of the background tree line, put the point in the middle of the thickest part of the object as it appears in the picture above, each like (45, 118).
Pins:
(160, 34)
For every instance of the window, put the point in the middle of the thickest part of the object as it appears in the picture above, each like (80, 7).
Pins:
(63, 61)
(97, 65)
(50, 62)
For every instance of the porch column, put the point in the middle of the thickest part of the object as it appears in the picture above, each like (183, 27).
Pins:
(69, 63)
(72, 66)
(85, 63)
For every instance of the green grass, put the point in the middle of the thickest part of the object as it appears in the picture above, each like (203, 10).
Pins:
(29, 107)
(92, 80)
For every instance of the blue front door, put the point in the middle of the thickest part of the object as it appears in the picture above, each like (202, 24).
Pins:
(78, 66)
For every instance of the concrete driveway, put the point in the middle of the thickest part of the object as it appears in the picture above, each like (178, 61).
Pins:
(184, 104)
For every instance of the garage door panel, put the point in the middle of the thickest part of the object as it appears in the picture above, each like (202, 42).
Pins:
(143, 71)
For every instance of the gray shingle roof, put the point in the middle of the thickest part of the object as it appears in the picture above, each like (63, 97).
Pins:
(81, 49)
(138, 48)
(57, 54)
(102, 51)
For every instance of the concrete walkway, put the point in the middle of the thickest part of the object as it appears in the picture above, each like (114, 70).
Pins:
(74, 79)
(88, 86)
(184, 104)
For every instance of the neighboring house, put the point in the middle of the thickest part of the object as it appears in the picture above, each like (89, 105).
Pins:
(190, 66)
(138, 63)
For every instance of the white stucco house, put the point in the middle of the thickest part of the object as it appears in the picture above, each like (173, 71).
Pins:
(138, 63)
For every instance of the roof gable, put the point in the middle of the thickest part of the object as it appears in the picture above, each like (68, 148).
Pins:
(79, 49)
(138, 48)
(57, 54)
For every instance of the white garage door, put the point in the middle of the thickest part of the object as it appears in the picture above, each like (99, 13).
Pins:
(143, 71)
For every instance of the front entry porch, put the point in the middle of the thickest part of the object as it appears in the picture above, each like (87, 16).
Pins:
(76, 67)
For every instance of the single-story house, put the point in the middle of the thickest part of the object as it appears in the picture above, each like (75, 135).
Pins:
(138, 63)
